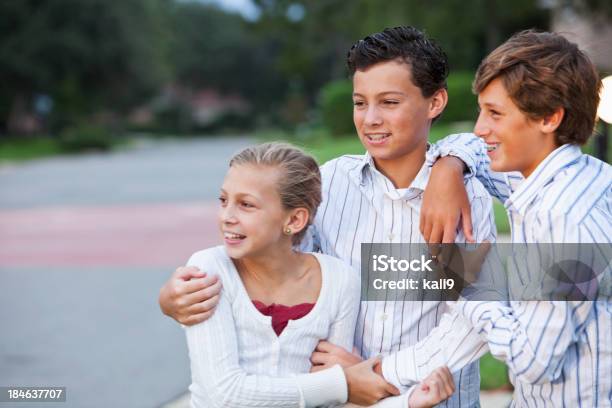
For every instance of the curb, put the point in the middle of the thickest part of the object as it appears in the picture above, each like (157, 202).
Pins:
(180, 402)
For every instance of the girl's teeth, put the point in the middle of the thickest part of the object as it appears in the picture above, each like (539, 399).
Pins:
(490, 148)
(377, 137)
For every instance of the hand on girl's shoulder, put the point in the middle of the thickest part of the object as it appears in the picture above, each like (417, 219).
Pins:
(213, 261)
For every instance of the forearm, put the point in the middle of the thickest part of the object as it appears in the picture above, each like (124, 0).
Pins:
(472, 152)
(453, 343)
(532, 338)
(231, 384)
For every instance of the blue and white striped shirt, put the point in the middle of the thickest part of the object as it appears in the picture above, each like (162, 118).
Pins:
(361, 205)
(567, 199)
(559, 353)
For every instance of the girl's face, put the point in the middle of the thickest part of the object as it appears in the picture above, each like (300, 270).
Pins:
(251, 216)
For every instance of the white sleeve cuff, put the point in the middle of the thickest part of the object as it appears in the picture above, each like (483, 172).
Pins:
(409, 393)
(324, 387)
(390, 373)
(457, 146)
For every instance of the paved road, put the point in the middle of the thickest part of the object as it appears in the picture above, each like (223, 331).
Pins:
(150, 172)
(85, 243)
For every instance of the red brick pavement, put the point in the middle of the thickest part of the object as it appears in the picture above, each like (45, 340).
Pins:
(129, 235)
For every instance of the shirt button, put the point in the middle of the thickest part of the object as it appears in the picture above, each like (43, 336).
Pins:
(384, 317)
(391, 236)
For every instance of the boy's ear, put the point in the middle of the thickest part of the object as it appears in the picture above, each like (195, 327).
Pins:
(550, 123)
(297, 221)
(438, 103)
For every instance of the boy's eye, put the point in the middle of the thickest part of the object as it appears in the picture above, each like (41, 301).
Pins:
(247, 205)
(222, 200)
(494, 113)
(390, 102)
(358, 103)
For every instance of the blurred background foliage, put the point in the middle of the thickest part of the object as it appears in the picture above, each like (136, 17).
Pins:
(101, 70)
(192, 67)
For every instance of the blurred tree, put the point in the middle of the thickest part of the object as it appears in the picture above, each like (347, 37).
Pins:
(466, 29)
(212, 48)
(317, 35)
(87, 55)
(99, 55)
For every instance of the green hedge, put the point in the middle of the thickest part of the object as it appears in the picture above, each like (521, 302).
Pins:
(462, 102)
(85, 137)
(336, 107)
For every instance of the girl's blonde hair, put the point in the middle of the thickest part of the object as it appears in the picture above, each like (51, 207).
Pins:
(299, 185)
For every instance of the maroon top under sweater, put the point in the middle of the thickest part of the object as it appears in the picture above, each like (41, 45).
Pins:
(281, 314)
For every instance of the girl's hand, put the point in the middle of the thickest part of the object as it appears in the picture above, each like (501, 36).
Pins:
(327, 355)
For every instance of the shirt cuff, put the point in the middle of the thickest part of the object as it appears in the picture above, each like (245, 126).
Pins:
(390, 373)
(409, 393)
(473, 311)
(456, 148)
(325, 387)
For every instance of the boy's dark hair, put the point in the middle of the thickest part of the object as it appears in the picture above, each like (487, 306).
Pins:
(428, 63)
(541, 72)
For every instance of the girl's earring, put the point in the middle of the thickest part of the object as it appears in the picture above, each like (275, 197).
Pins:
(288, 231)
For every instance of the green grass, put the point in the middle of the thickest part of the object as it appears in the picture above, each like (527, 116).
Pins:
(501, 218)
(325, 150)
(19, 149)
(493, 373)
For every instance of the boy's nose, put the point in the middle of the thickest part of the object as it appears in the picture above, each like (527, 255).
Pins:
(480, 128)
(372, 117)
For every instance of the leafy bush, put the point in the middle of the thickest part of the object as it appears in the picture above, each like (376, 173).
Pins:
(174, 118)
(228, 122)
(337, 108)
(462, 102)
(85, 136)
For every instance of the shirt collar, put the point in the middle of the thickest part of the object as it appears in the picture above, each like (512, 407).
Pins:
(527, 191)
(422, 178)
(367, 166)
(359, 173)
